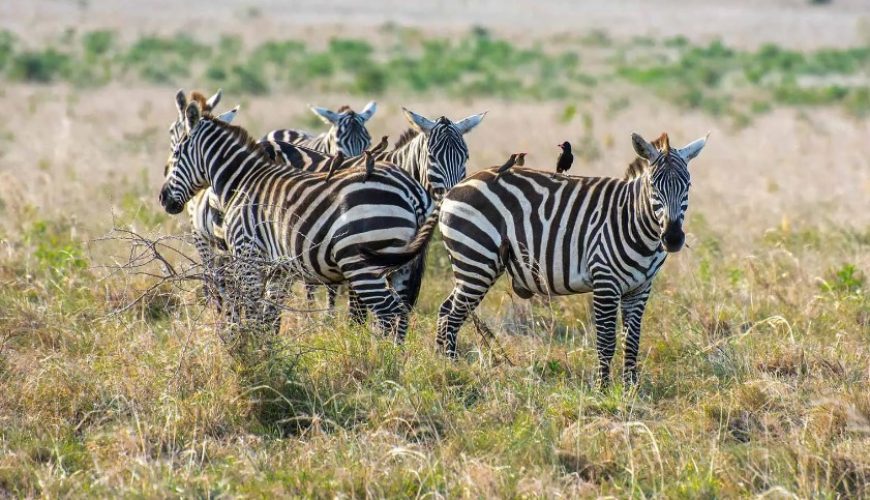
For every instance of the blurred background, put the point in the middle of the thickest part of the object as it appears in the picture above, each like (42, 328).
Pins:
(756, 348)
(87, 88)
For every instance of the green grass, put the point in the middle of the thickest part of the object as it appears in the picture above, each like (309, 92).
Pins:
(753, 377)
(715, 78)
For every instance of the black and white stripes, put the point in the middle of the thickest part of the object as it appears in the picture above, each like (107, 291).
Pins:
(563, 236)
(280, 215)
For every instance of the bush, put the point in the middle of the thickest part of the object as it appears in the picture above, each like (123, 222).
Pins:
(40, 66)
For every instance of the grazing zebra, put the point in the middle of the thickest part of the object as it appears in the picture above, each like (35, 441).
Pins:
(347, 132)
(293, 220)
(562, 236)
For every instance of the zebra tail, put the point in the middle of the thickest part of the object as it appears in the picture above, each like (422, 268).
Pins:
(415, 283)
(390, 261)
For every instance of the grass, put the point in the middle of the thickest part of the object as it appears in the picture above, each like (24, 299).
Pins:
(753, 377)
(715, 78)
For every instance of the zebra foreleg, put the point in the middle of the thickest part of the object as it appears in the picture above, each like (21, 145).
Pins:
(605, 303)
(211, 270)
(276, 297)
(633, 306)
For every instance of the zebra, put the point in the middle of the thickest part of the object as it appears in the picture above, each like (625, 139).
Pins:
(204, 214)
(347, 132)
(204, 218)
(435, 153)
(563, 236)
(294, 220)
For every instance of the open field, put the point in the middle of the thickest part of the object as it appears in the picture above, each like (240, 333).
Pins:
(755, 360)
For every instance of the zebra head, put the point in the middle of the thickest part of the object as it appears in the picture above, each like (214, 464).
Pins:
(447, 153)
(669, 184)
(185, 173)
(348, 132)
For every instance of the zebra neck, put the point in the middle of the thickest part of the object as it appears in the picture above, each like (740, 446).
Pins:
(640, 207)
(233, 165)
(412, 157)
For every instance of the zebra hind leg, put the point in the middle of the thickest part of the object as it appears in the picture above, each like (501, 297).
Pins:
(356, 309)
(605, 303)
(632, 313)
(453, 312)
(373, 292)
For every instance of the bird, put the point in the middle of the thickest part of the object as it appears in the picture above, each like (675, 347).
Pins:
(336, 162)
(521, 159)
(370, 164)
(565, 158)
(507, 165)
(381, 146)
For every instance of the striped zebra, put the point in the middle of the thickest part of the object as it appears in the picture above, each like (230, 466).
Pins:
(563, 236)
(204, 214)
(293, 221)
(347, 132)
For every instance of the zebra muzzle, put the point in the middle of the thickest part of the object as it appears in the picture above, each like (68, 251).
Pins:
(170, 204)
(673, 237)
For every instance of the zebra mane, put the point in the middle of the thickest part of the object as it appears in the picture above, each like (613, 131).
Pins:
(406, 137)
(201, 99)
(637, 167)
(241, 135)
(344, 109)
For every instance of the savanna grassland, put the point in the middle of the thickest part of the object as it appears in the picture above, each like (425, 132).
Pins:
(756, 346)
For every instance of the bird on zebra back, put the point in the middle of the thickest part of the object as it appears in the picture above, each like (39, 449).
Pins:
(602, 235)
(566, 158)
(381, 146)
(347, 132)
(518, 159)
(282, 223)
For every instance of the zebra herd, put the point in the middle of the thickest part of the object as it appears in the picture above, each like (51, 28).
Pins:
(272, 206)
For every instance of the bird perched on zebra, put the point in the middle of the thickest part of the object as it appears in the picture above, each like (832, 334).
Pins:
(334, 164)
(566, 158)
(369, 165)
(381, 146)
(602, 235)
(518, 159)
(293, 222)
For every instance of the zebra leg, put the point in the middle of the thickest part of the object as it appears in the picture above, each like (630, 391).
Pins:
(331, 295)
(210, 270)
(356, 309)
(276, 296)
(309, 294)
(605, 303)
(373, 292)
(453, 312)
(633, 306)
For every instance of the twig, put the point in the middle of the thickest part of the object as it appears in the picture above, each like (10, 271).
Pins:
(486, 333)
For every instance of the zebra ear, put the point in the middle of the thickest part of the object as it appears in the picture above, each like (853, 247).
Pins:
(227, 116)
(329, 117)
(466, 124)
(691, 150)
(192, 114)
(419, 122)
(644, 149)
(213, 101)
(368, 111)
(180, 101)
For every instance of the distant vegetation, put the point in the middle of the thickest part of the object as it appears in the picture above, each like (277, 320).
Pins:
(714, 78)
